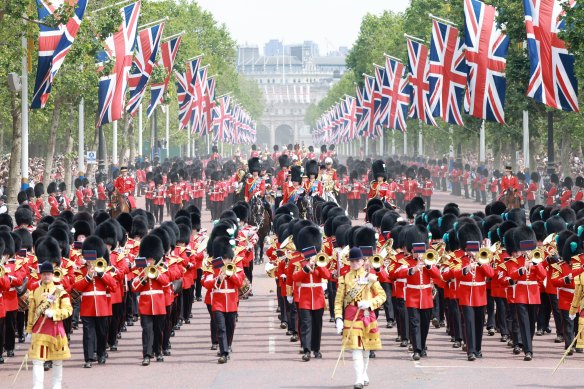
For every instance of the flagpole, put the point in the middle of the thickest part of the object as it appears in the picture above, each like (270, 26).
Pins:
(167, 128)
(173, 36)
(526, 155)
(81, 141)
(140, 128)
(195, 57)
(24, 115)
(482, 142)
(164, 19)
(415, 38)
(442, 20)
(209, 143)
(392, 57)
(381, 142)
(420, 140)
(405, 143)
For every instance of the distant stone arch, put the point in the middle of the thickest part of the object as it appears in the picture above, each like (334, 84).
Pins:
(262, 135)
(284, 134)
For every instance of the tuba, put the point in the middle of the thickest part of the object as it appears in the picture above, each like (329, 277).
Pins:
(484, 256)
(430, 257)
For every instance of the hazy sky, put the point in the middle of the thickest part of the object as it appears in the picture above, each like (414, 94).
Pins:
(330, 23)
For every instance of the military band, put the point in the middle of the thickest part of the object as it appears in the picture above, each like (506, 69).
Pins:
(403, 263)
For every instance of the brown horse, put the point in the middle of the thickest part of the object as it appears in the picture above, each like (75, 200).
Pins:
(511, 199)
(118, 204)
(261, 219)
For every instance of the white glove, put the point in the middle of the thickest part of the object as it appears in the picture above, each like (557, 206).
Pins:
(572, 316)
(290, 299)
(28, 338)
(324, 286)
(49, 313)
(339, 324)
(364, 304)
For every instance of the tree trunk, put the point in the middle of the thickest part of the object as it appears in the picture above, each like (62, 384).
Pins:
(68, 160)
(565, 151)
(51, 143)
(124, 149)
(14, 173)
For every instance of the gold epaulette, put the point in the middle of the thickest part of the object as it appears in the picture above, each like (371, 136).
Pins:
(19, 263)
(403, 261)
(557, 266)
(513, 259)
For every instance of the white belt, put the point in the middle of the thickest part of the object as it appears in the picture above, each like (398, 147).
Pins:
(310, 285)
(223, 291)
(567, 290)
(425, 286)
(527, 283)
(404, 280)
(13, 289)
(94, 293)
(150, 292)
(473, 283)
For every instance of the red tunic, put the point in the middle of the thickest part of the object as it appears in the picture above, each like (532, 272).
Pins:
(526, 289)
(94, 294)
(418, 293)
(472, 286)
(253, 186)
(224, 296)
(151, 301)
(311, 293)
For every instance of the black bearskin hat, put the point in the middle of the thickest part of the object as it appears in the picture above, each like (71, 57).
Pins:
(47, 249)
(284, 160)
(81, 227)
(39, 190)
(311, 168)
(151, 247)
(253, 165)
(378, 169)
(308, 237)
(23, 216)
(296, 174)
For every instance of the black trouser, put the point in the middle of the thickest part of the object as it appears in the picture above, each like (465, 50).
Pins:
(484, 197)
(115, 321)
(549, 306)
(569, 326)
(513, 324)
(353, 208)
(167, 203)
(94, 335)
(444, 186)
(282, 305)
(343, 200)
(174, 208)
(131, 303)
(310, 328)
(249, 272)
(490, 310)
(387, 305)
(419, 327)
(454, 321)
(493, 196)
(2, 330)
(225, 329)
(159, 213)
(187, 302)
(530, 203)
(76, 310)
(428, 201)
(20, 320)
(478, 196)
(331, 291)
(100, 204)
(199, 203)
(526, 315)
(199, 284)
(213, 326)
(149, 205)
(438, 310)
(401, 316)
(501, 315)
(151, 334)
(10, 330)
(466, 195)
(167, 328)
(474, 320)
(176, 307)
(292, 312)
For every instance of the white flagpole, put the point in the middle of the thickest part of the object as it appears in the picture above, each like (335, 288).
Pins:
(526, 155)
(140, 128)
(405, 143)
(115, 142)
(80, 146)
(482, 143)
(167, 125)
(24, 115)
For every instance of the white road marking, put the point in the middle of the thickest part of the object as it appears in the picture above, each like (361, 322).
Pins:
(418, 365)
(272, 345)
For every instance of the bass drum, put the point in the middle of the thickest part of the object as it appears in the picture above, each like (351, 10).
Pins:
(244, 289)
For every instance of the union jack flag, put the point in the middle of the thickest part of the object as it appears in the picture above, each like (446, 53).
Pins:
(185, 91)
(222, 120)
(168, 51)
(120, 47)
(418, 69)
(383, 92)
(366, 125)
(144, 59)
(447, 75)
(209, 104)
(198, 121)
(350, 118)
(486, 53)
(54, 44)
(552, 79)
(399, 94)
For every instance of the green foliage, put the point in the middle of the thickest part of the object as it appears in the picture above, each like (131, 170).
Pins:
(574, 34)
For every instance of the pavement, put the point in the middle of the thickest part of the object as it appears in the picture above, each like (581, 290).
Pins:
(263, 356)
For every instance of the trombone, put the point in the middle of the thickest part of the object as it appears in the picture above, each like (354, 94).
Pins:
(58, 275)
(484, 256)
(376, 261)
(430, 257)
(150, 272)
(322, 260)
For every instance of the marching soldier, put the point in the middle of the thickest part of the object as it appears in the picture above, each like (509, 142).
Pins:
(532, 189)
(39, 191)
(175, 192)
(410, 185)
(354, 189)
(158, 200)
(552, 192)
(312, 186)
(566, 197)
(358, 295)
(52, 200)
(579, 189)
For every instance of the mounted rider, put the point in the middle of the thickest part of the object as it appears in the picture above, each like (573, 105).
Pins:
(329, 178)
(293, 190)
(379, 188)
(255, 186)
(126, 184)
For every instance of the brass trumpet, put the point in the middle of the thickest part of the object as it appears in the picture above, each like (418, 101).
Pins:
(430, 257)
(2, 271)
(230, 269)
(58, 274)
(271, 269)
(322, 260)
(151, 272)
(100, 265)
(536, 256)
(484, 256)
(376, 261)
